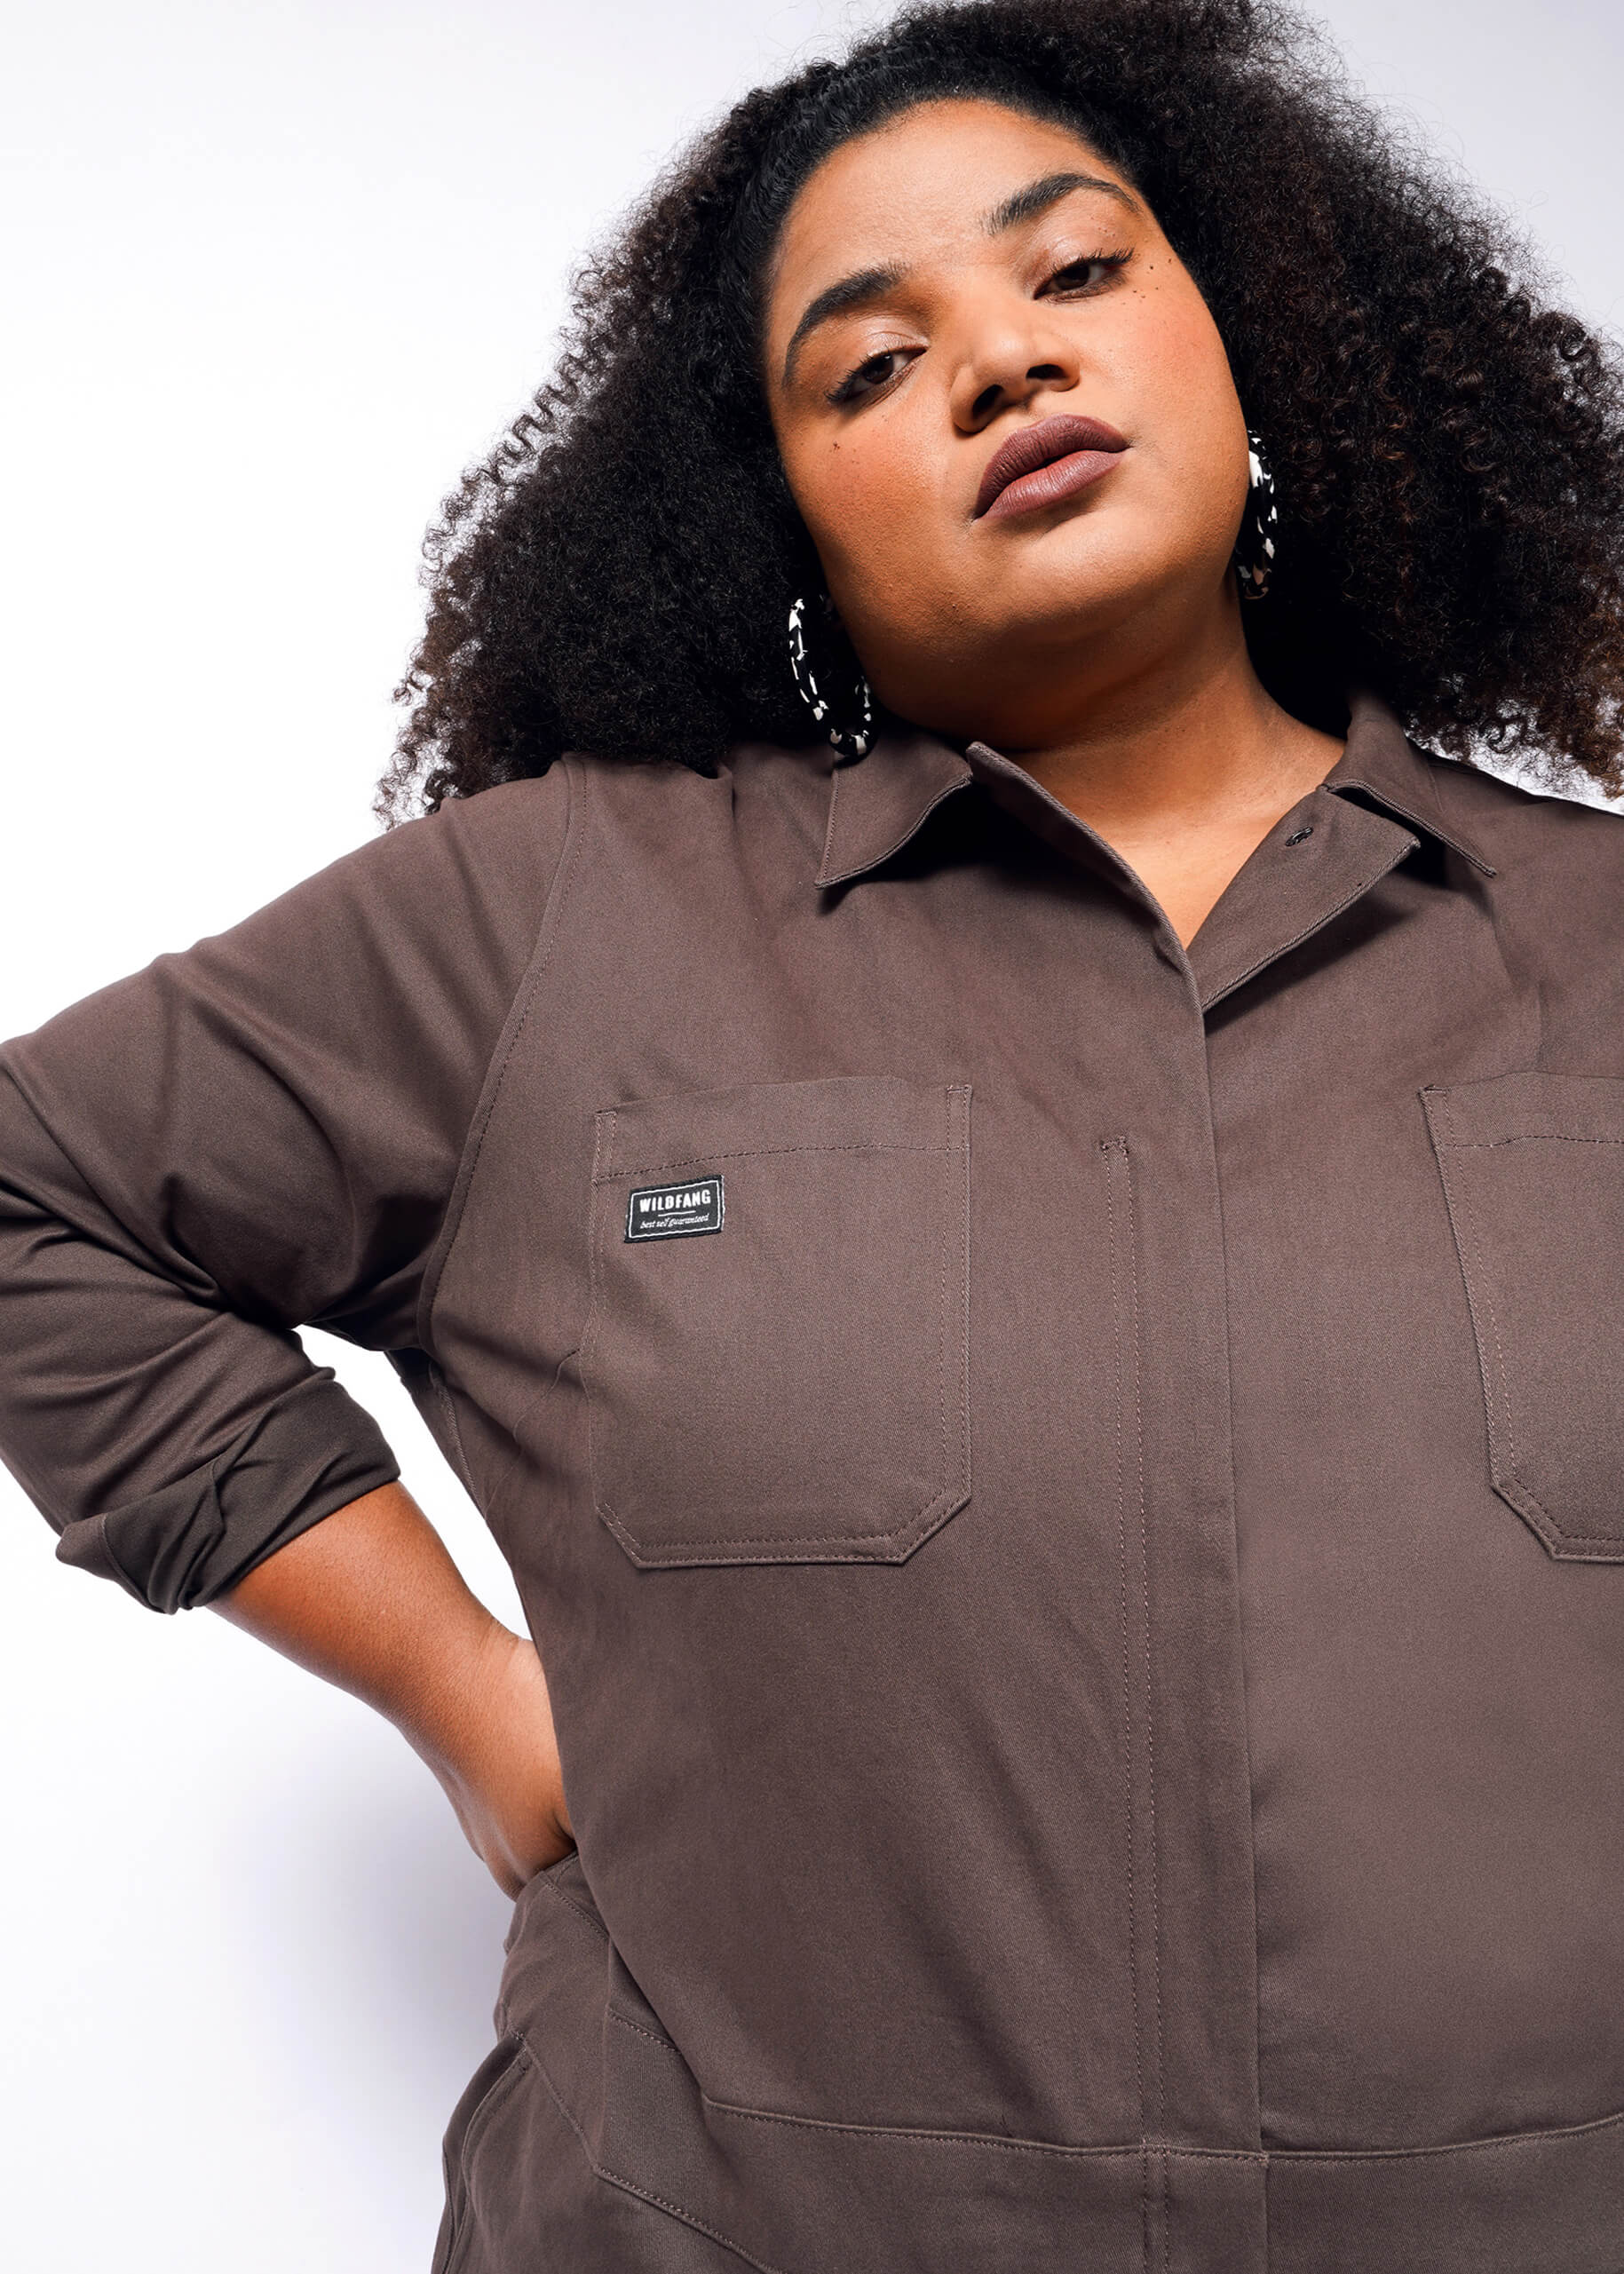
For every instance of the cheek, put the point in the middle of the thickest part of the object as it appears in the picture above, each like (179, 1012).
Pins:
(1192, 426)
(867, 492)
(1189, 388)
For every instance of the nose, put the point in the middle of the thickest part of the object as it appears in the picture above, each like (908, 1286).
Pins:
(1009, 355)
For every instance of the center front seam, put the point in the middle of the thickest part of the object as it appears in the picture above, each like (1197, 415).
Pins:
(1144, 1928)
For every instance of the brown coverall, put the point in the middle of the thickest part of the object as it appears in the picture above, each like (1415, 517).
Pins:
(1070, 1492)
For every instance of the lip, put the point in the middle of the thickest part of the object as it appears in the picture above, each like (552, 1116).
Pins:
(1040, 464)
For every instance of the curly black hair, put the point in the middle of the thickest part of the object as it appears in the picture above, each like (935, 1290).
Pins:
(616, 575)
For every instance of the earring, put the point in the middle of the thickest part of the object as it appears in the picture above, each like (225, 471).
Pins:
(1254, 546)
(852, 742)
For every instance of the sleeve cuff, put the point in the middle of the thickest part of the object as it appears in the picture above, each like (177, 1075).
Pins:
(300, 1460)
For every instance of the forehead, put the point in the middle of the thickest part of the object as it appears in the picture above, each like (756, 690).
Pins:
(918, 186)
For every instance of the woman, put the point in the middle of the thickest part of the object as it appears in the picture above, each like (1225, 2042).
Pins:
(1016, 1230)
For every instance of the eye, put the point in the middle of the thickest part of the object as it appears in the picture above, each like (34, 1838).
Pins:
(1080, 277)
(870, 375)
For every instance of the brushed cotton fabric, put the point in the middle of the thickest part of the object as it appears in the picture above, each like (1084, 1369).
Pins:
(1082, 1597)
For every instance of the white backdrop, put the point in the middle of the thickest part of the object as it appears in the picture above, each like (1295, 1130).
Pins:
(273, 275)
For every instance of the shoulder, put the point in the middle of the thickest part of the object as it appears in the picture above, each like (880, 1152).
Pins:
(449, 898)
(510, 846)
(476, 868)
(1538, 835)
(517, 829)
(763, 800)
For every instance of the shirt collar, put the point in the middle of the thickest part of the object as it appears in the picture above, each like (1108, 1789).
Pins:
(1385, 765)
(876, 803)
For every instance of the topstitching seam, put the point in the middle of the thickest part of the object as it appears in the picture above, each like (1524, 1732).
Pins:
(788, 1548)
(1171, 2151)
(547, 931)
(1150, 1716)
(1180, 2151)
(631, 2187)
(1528, 1136)
(580, 1910)
(1209, 1001)
(944, 1332)
(1479, 1295)
(749, 1152)
(845, 875)
(1114, 1149)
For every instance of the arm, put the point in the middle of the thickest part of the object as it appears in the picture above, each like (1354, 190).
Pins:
(260, 1133)
(369, 1600)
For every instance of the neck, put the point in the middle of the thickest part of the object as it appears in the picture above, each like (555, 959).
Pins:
(1183, 768)
(1193, 745)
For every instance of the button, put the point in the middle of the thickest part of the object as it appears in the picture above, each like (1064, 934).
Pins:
(1297, 835)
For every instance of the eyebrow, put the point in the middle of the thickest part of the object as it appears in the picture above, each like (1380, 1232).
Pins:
(869, 284)
(1038, 196)
(853, 291)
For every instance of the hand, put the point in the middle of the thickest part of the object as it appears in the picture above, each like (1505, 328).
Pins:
(369, 1598)
(504, 1778)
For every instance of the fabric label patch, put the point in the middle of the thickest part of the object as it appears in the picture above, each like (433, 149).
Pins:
(670, 1212)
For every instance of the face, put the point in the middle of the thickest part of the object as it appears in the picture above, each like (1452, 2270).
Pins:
(942, 288)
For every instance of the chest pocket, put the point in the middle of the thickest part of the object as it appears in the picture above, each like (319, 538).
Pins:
(777, 1349)
(1533, 1173)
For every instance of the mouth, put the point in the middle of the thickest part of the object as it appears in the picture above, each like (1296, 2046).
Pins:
(1041, 464)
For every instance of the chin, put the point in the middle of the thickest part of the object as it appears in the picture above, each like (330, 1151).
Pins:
(1058, 613)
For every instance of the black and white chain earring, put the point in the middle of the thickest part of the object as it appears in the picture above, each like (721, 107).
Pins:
(1254, 546)
(816, 677)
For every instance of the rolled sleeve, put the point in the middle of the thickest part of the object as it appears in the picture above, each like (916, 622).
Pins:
(261, 1133)
(309, 1454)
